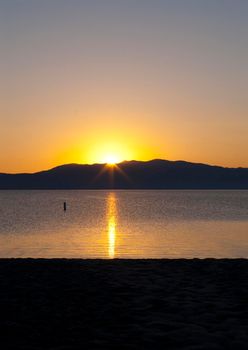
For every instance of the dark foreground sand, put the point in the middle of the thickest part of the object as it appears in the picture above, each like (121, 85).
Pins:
(124, 304)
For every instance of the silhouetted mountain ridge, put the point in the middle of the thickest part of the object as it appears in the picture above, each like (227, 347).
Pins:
(154, 174)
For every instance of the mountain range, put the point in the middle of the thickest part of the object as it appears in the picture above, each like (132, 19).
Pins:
(154, 174)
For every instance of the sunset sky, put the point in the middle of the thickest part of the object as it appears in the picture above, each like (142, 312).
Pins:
(134, 79)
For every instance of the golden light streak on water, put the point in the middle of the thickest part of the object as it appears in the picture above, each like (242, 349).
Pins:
(111, 219)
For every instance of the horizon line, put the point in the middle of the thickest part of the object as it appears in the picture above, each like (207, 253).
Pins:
(124, 161)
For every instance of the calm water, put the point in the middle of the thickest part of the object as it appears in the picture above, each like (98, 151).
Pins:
(124, 224)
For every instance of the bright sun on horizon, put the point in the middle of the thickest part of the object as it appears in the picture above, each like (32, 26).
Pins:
(110, 152)
(112, 159)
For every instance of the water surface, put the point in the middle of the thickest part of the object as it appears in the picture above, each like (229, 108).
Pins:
(124, 224)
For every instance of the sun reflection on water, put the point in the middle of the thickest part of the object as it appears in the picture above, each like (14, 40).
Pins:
(111, 219)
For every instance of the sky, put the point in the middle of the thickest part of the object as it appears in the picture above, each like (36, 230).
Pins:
(86, 81)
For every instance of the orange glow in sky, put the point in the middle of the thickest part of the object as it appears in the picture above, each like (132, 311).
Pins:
(110, 153)
(106, 147)
(107, 81)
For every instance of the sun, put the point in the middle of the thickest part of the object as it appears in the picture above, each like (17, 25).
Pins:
(111, 159)
(109, 152)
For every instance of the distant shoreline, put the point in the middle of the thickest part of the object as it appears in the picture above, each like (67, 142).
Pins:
(152, 175)
(123, 189)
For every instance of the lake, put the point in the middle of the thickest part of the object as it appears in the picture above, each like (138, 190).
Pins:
(124, 224)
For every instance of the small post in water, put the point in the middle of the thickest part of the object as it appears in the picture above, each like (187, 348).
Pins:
(64, 206)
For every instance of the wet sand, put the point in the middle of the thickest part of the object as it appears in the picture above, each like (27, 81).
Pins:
(124, 304)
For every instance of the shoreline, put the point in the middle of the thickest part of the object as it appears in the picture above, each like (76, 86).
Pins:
(124, 303)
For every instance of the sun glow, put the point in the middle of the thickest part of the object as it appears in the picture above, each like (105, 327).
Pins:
(110, 153)
(111, 159)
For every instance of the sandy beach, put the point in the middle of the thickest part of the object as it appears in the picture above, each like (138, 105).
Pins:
(124, 304)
